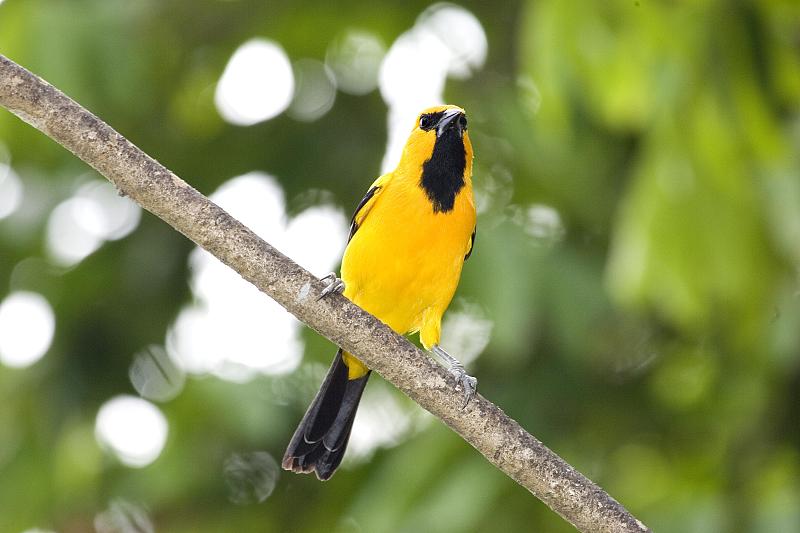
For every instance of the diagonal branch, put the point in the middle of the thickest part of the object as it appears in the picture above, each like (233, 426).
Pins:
(499, 438)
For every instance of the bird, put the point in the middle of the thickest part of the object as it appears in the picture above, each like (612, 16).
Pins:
(409, 238)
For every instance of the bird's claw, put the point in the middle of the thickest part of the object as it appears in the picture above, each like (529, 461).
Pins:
(332, 284)
(468, 383)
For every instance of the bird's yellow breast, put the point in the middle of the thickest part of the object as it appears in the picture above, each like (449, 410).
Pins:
(405, 260)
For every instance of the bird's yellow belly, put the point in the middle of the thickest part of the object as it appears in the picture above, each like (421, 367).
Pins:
(404, 262)
(400, 266)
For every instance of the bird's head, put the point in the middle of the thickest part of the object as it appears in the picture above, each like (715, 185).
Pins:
(440, 120)
(439, 149)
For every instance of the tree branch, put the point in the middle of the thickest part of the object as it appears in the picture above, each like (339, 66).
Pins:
(499, 438)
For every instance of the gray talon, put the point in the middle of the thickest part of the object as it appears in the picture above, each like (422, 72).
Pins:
(467, 383)
(332, 284)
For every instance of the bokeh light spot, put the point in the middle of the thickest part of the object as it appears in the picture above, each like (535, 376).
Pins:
(446, 39)
(79, 225)
(155, 375)
(231, 329)
(383, 419)
(123, 517)
(530, 97)
(543, 224)
(135, 430)
(27, 325)
(251, 477)
(355, 58)
(494, 190)
(461, 34)
(315, 92)
(256, 85)
(466, 332)
(10, 190)
(323, 225)
(68, 241)
(111, 216)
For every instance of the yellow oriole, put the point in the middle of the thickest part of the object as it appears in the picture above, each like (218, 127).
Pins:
(409, 238)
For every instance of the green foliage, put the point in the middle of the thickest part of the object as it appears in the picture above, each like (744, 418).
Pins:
(650, 333)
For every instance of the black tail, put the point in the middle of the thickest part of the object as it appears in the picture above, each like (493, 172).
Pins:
(319, 442)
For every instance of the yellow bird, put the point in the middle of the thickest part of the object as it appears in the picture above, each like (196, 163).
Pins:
(409, 238)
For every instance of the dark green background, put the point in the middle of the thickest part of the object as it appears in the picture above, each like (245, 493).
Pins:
(655, 345)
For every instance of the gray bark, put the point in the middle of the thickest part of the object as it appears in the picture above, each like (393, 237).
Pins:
(482, 424)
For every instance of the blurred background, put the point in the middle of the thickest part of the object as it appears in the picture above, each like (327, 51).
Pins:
(633, 298)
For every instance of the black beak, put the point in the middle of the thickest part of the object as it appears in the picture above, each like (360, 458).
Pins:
(447, 119)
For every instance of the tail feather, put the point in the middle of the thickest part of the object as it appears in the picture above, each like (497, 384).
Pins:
(320, 440)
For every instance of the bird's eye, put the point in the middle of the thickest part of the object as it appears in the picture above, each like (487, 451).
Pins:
(425, 122)
(462, 121)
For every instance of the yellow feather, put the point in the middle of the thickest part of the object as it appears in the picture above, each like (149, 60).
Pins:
(404, 262)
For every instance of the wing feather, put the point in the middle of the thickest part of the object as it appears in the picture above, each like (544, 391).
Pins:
(366, 204)
(471, 243)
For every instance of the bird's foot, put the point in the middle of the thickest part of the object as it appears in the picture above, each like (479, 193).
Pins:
(332, 284)
(468, 384)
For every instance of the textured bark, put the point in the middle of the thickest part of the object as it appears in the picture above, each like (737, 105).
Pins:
(482, 424)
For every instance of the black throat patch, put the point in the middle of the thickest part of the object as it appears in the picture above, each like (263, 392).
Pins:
(443, 173)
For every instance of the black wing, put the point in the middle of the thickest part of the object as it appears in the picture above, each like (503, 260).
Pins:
(364, 201)
(471, 243)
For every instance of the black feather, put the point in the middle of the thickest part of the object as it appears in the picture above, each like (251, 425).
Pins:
(367, 197)
(471, 243)
(443, 173)
(319, 443)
